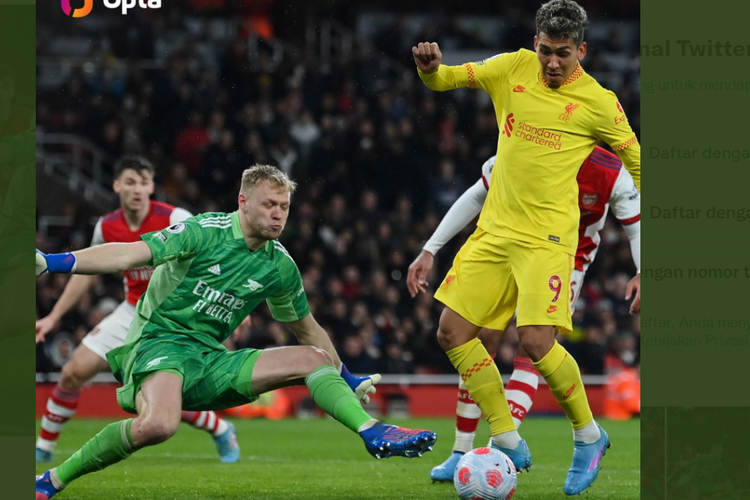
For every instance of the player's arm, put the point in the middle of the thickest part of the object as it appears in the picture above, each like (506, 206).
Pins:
(625, 202)
(463, 211)
(181, 241)
(309, 332)
(613, 128)
(75, 288)
(289, 305)
(102, 259)
(485, 74)
(77, 285)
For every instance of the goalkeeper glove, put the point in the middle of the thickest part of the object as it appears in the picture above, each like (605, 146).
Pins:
(363, 387)
(54, 263)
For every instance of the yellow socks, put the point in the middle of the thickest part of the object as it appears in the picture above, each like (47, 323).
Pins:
(482, 379)
(563, 377)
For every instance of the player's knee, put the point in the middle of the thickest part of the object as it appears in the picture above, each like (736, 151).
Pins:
(156, 429)
(450, 339)
(491, 340)
(318, 357)
(72, 377)
(444, 339)
(536, 342)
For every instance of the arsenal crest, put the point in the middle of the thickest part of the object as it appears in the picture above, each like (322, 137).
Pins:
(589, 200)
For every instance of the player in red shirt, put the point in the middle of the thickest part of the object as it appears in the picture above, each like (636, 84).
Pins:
(602, 184)
(137, 215)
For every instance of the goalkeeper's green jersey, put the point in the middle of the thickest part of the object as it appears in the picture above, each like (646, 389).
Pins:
(207, 280)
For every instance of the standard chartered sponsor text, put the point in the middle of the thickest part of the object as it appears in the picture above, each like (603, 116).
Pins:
(539, 135)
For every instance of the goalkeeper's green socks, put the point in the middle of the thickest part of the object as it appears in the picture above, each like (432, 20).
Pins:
(113, 444)
(333, 395)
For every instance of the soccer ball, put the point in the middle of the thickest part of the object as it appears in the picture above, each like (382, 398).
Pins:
(485, 474)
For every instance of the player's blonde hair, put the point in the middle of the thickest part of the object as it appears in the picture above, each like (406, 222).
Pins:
(266, 173)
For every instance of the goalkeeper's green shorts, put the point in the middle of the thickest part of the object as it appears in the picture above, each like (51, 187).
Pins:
(213, 379)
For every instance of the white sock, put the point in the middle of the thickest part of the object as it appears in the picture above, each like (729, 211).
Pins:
(221, 428)
(367, 425)
(588, 434)
(509, 439)
(464, 441)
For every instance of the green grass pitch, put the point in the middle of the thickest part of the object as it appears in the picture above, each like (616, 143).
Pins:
(320, 459)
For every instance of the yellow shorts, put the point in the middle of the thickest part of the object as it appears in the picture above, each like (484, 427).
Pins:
(492, 277)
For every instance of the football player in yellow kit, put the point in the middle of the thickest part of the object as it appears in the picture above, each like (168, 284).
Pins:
(551, 115)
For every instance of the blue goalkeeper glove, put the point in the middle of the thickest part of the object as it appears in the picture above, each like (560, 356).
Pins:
(54, 263)
(363, 387)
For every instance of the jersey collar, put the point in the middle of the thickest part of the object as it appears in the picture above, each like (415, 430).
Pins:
(237, 231)
(577, 73)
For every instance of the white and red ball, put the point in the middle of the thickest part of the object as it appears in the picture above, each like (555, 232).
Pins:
(485, 474)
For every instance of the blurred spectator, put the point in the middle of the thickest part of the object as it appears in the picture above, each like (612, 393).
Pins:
(445, 190)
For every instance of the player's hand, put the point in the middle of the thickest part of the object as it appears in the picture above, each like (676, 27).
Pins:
(427, 56)
(363, 387)
(418, 271)
(634, 288)
(44, 326)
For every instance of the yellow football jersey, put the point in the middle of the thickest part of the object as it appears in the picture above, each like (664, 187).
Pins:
(545, 135)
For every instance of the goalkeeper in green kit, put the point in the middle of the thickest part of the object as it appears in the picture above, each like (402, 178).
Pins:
(211, 271)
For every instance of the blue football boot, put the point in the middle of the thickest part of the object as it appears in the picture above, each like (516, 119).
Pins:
(43, 455)
(443, 473)
(227, 446)
(44, 487)
(520, 455)
(385, 441)
(585, 466)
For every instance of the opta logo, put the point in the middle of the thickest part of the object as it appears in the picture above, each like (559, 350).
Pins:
(126, 5)
(83, 11)
(509, 121)
(123, 5)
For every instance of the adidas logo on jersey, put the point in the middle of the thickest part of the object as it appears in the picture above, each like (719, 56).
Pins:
(215, 269)
(252, 285)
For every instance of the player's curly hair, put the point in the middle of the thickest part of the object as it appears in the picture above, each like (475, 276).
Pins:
(562, 19)
(259, 173)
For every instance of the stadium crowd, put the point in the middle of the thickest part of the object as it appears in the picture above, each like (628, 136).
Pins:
(379, 159)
